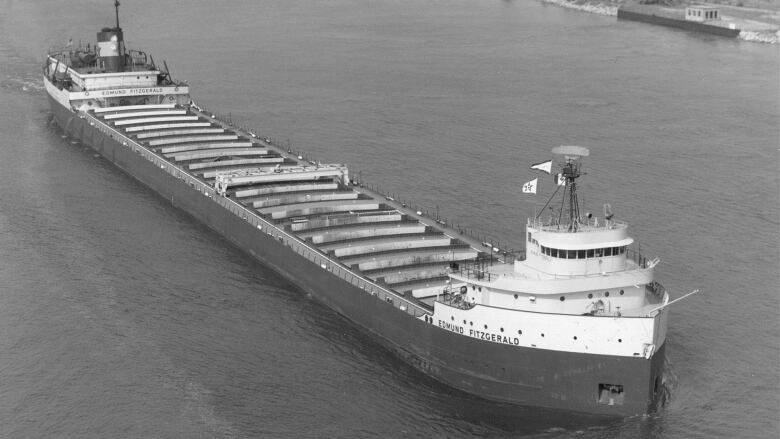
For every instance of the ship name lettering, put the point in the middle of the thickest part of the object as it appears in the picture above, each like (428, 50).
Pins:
(451, 327)
(142, 91)
(132, 91)
(496, 338)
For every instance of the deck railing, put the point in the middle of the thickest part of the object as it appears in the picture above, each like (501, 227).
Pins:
(585, 225)
(479, 274)
(480, 269)
(456, 300)
(635, 255)
(296, 244)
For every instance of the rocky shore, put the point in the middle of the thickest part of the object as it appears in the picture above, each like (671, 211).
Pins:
(758, 20)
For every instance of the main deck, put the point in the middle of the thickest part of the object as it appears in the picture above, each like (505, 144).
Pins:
(370, 234)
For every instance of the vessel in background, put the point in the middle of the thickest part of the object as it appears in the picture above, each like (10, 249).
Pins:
(697, 18)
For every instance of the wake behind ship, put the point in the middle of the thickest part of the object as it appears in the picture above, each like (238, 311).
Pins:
(576, 323)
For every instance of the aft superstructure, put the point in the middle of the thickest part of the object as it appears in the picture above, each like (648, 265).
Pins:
(108, 74)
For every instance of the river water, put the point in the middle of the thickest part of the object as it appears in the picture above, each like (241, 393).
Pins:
(121, 316)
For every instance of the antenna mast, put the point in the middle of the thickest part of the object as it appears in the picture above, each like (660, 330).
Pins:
(116, 6)
(571, 171)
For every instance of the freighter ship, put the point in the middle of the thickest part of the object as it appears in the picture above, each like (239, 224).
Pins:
(575, 323)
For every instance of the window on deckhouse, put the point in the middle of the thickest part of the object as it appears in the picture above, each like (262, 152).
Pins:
(583, 254)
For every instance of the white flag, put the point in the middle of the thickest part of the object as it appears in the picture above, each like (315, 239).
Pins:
(561, 180)
(530, 187)
(544, 166)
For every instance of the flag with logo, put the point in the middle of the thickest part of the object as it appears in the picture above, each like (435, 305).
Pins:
(560, 179)
(530, 187)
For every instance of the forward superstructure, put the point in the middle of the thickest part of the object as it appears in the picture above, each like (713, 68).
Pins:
(580, 289)
(576, 323)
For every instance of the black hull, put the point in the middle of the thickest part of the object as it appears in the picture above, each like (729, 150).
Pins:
(498, 372)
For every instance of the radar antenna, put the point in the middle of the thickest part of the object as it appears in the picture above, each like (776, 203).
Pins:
(570, 171)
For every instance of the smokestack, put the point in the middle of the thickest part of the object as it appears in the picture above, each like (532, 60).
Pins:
(111, 50)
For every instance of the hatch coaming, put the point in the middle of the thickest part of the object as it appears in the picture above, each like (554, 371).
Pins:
(319, 204)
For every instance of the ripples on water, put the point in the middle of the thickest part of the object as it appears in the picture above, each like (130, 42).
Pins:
(122, 317)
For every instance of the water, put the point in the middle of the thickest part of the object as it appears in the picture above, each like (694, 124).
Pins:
(123, 317)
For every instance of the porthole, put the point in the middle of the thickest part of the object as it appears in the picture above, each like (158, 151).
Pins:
(519, 332)
(575, 337)
(502, 329)
(606, 294)
(473, 288)
(471, 323)
(621, 292)
(464, 322)
(542, 334)
(515, 296)
(590, 296)
(562, 298)
(453, 318)
(485, 326)
(480, 289)
(620, 340)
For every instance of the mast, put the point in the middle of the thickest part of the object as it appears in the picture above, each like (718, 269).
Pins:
(570, 171)
(116, 6)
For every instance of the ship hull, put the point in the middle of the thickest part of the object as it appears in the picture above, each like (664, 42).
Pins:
(656, 17)
(498, 372)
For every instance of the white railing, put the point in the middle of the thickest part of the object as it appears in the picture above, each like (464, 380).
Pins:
(299, 246)
(586, 225)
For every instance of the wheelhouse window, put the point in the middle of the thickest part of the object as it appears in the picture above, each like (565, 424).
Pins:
(582, 254)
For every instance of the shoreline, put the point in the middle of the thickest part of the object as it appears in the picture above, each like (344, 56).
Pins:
(756, 22)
